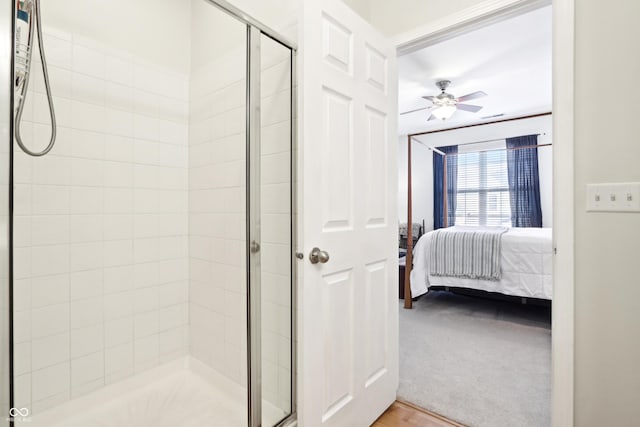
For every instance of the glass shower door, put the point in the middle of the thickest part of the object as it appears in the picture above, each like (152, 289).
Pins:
(276, 189)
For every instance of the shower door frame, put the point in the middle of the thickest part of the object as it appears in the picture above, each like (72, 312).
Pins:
(255, 30)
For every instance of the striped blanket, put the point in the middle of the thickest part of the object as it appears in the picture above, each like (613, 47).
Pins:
(468, 252)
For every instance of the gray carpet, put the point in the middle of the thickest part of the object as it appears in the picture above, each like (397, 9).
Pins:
(481, 362)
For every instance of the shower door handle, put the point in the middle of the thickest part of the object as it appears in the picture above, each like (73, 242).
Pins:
(318, 256)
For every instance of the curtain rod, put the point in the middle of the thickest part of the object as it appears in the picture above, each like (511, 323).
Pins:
(471, 143)
(482, 124)
(495, 140)
(500, 149)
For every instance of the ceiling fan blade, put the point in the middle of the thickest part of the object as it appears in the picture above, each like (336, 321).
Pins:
(470, 96)
(413, 111)
(431, 117)
(429, 98)
(469, 107)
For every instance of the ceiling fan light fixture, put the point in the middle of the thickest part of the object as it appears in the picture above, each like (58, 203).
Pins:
(444, 112)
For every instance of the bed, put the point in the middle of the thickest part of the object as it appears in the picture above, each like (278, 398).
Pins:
(525, 262)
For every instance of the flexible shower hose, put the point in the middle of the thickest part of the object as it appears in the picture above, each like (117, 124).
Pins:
(23, 91)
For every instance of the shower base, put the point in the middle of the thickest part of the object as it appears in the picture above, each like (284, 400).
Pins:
(182, 393)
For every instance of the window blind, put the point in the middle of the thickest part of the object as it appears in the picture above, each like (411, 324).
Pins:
(483, 190)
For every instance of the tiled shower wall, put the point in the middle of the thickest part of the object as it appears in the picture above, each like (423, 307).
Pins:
(101, 223)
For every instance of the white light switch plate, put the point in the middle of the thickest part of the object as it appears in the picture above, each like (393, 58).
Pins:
(613, 197)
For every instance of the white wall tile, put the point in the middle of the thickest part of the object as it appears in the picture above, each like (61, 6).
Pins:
(86, 200)
(89, 61)
(50, 200)
(60, 80)
(88, 89)
(58, 52)
(21, 294)
(48, 260)
(145, 299)
(86, 144)
(118, 252)
(87, 369)
(119, 70)
(172, 343)
(22, 165)
(50, 381)
(22, 321)
(86, 284)
(118, 331)
(118, 200)
(22, 358)
(49, 230)
(49, 320)
(88, 117)
(118, 148)
(118, 227)
(85, 228)
(118, 305)
(87, 172)
(86, 256)
(22, 199)
(86, 312)
(118, 174)
(51, 170)
(146, 352)
(145, 324)
(118, 96)
(49, 351)
(119, 122)
(119, 361)
(118, 279)
(173, 316)
(48, 290)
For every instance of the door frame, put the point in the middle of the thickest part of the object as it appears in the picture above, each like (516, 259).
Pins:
(562, 325)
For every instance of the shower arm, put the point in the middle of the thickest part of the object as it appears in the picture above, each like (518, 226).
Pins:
(25, 85)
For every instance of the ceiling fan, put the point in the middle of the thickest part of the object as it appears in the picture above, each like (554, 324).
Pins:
(445, 104)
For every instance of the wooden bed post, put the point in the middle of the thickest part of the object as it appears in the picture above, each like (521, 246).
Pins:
(409, 258)
(445, 193)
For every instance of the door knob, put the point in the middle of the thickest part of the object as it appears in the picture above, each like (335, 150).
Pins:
(318, 256)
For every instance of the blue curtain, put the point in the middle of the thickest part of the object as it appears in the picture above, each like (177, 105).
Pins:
(524, 181)
(438, 186)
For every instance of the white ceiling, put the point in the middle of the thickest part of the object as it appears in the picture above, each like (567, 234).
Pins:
(510, 61)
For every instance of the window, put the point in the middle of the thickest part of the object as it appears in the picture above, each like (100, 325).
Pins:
(483, 189)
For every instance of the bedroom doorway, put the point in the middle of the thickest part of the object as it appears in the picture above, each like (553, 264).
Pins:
(476, 169)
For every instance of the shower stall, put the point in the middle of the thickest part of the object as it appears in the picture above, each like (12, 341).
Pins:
(147, 258)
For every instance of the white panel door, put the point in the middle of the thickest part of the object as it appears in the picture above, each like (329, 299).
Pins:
(349, 309)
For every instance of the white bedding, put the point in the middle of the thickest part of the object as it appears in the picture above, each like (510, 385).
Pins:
(526, 266)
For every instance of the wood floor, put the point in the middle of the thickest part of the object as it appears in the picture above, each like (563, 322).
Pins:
(402, 414)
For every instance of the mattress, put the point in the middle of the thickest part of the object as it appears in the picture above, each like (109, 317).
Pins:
(526, 263)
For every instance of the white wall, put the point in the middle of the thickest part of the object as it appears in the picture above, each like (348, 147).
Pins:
(396, 17)
(607, 288)
(423, 167)
(422, 183)
(607, 245)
